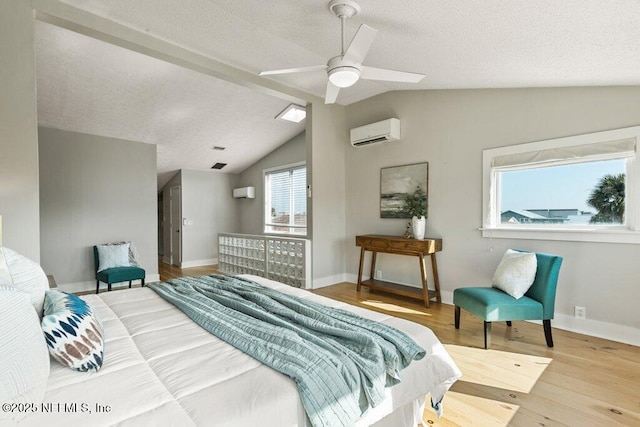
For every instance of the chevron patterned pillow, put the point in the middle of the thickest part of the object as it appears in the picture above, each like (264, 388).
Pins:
(72, 331)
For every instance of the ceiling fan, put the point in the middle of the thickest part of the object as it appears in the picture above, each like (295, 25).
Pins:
(346, 69)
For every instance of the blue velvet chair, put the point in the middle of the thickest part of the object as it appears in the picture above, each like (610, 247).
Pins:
(492, 304)
(116, 274)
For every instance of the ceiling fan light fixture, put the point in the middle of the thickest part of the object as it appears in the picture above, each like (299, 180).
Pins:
(345, 69)
(344, 76)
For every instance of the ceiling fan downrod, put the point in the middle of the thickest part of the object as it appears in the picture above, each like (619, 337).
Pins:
(343, 9)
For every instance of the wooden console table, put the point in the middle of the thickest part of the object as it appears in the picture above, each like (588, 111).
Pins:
(401, 246)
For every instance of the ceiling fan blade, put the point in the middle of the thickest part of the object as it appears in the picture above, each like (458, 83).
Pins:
(332, 93)
(360, 44)
(371, 73)
(293, 70)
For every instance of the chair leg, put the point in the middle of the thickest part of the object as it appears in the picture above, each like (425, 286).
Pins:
(109, 287)
(509, 323)
(97, 286)
(547, 332)
(129, 284)
(457, 317)
(487, 335)
(142, 282)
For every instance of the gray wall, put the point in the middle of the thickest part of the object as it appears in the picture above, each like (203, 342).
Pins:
(18, 135)
(94, 190)
(327, 139)
(251, 211)
(449, 129)
(207, 201)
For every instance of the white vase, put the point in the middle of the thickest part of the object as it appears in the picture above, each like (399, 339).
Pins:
(418, 225)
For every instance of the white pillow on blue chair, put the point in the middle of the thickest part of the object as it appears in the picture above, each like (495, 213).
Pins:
(515, 273)
(113, 255)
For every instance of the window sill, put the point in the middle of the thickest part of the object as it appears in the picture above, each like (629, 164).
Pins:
(621, 235)
(285, 235)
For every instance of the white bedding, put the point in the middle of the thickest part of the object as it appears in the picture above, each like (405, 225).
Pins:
(160, 368)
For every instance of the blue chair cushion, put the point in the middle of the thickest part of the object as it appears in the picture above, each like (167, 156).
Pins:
(492, 304)
(120, 274)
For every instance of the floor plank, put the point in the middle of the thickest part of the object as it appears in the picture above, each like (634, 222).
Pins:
(168, 271)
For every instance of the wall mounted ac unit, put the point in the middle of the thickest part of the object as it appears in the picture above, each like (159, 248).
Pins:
(244, 193)
(383, 131)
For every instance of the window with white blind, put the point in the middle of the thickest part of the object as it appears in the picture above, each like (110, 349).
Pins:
(578, 188)
(285, 204)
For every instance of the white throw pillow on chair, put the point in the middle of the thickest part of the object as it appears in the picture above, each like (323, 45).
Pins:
(113, 255)
(515, 273)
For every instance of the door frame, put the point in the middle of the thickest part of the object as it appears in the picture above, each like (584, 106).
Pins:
(175, 222)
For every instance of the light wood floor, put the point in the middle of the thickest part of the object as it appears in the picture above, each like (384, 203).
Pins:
(582, 381)
(168, 271)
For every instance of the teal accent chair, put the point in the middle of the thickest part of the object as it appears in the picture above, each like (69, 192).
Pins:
(492, 304)
(116, 274)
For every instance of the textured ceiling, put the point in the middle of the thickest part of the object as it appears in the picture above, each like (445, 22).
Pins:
(85, 85)
(93, 87)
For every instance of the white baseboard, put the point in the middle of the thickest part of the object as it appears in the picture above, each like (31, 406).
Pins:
(594, 328)
(199, 263)
(329, 280)
(90, 286)
(447, 297)
(352, 278)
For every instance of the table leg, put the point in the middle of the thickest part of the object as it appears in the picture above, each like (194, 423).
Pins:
(360, 269)
(436, 280)
(373, 265)
(423, 276)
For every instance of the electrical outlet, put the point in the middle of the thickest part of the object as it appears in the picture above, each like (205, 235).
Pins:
(379, 274)
(580, 312)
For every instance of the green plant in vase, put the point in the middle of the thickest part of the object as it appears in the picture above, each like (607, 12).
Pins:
(416, 203)
(416, 207)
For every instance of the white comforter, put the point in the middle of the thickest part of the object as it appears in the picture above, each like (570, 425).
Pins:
(162, 369)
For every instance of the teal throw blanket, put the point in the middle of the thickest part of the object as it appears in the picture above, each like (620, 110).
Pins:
(340, 362)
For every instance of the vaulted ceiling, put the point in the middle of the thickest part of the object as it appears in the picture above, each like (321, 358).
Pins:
(91, 86)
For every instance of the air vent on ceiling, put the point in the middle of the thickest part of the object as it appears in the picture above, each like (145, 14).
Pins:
(218, 148)
(218, 166)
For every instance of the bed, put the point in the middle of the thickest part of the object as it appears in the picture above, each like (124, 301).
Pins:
(160, 368)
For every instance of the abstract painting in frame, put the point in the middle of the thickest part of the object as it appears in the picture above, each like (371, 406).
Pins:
(396, 183)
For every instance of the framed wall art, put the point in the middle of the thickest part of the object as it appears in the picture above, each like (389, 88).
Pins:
(397, 183)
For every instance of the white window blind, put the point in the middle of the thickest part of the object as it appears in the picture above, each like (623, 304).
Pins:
(286, 201)
(569, 154)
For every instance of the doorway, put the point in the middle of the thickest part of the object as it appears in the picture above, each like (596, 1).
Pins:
(175, 220)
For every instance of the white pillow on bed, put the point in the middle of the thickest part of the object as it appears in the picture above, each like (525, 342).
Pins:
(5, 276)
(24, 275)
(24, 370)
(515, 273)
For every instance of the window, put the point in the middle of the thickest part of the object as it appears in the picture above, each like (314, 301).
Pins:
(286, 200)
(581, 188)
